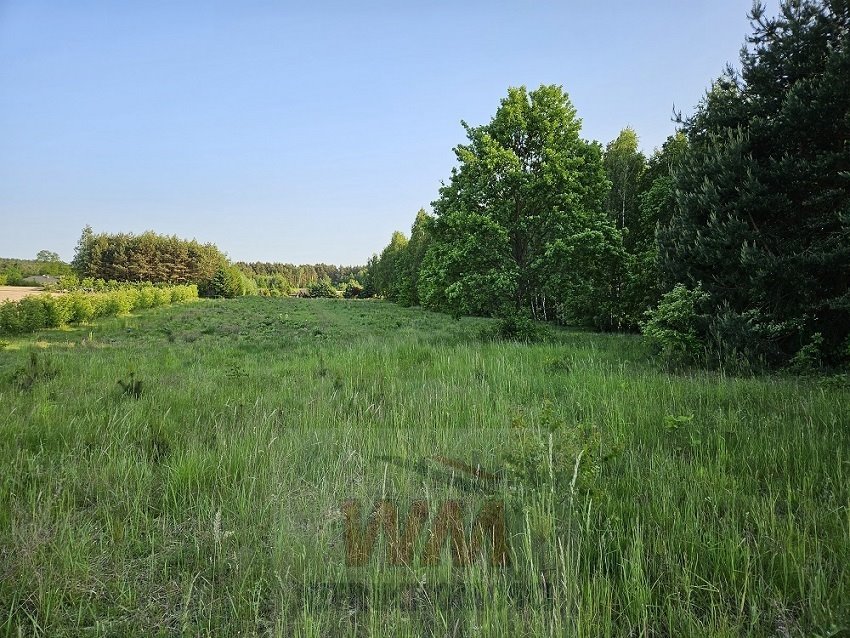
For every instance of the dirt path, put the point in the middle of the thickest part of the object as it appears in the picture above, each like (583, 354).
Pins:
(16, 293)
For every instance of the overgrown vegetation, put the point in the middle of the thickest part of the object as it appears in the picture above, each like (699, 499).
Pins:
(55, 311)
(637, 502)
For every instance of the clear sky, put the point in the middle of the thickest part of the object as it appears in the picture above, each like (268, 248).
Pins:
(307, 132)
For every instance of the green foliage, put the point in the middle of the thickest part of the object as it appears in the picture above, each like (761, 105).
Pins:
(132, 387)
(227, 282)
(37, 369)
(22, 268)
(515, 326)
(37, 312)
(285, 277)
(388, 271)
(47, 256)
(520, 215)
(809, 357)
(13, 276)
(761, 196)
(624, 166)
(145, 257)
(322, 288)
(395, 273)
(675, 325)
(353, 289)
(554, 455)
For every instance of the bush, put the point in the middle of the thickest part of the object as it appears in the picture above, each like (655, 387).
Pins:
(675, 327)
(227, 282)
(68, 282)
(515, 326)
(353, 290)
(13, 276)
(554, 455)
(147, 297)
(80, 307)
(32, 314)
(46, 311)
(10, 320)
(57, 311)
(322, 288)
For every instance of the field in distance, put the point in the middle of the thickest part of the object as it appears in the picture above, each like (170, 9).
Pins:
(16, 293)
(191, 471)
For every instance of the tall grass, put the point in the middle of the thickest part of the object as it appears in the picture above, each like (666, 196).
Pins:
(210, 504)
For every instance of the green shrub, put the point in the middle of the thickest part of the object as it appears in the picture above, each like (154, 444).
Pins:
(554, 455)
(68, 282)
(146, 297)
(514, 326)
(81, 307)
(322, 288)
(47, 311)
(57, 310)
(353, 289)
(161, 297)
(10, 320)
(809, 357)
(32, 313)
(2, 279)
(227, 282)
(13, 276)
(675, 327)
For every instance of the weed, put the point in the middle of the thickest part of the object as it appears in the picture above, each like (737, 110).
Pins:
(132, 387)
(37, 369)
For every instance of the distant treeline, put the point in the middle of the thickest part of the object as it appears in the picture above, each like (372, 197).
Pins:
(730, 244)
(301, 276)
(125, 257)
(13, 271)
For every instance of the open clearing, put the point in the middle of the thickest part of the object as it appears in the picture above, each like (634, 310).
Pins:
(16, 293)
(211, 499)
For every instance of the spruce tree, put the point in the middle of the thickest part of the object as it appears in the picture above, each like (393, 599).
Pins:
(762, 210)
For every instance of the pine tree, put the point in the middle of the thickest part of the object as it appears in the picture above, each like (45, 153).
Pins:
(762, 212)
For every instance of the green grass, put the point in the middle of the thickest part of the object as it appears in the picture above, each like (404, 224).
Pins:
(211, 503)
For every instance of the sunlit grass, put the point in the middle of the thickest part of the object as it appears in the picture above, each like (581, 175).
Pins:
(210, 504)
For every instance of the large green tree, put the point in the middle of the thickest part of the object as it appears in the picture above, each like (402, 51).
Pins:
(762, 198)
(521, 227)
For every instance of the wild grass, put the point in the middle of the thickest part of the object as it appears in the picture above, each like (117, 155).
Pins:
(211, 502)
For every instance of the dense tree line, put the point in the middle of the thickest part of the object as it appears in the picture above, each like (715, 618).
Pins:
(289, 276)
(730, 241)
(146, 257)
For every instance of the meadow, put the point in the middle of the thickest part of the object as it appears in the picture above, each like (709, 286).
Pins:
(186, 470)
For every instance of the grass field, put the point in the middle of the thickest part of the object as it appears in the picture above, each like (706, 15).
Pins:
(206, 494)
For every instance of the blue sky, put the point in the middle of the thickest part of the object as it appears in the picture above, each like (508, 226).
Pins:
(307, 132)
